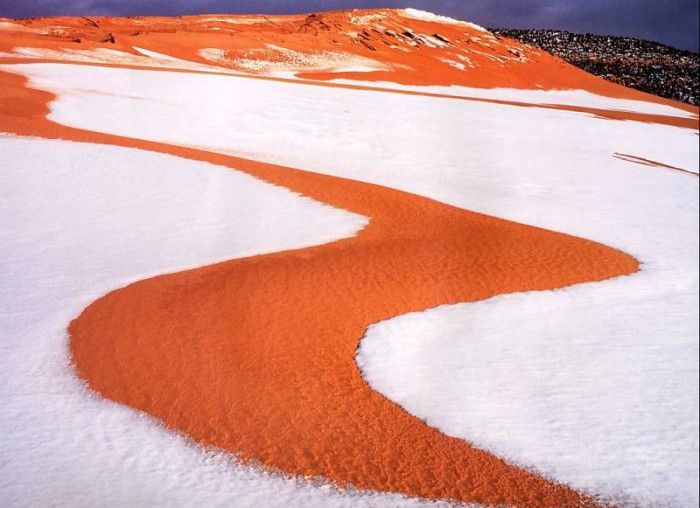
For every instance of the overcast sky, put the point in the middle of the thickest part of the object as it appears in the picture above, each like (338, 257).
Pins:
(673, 22)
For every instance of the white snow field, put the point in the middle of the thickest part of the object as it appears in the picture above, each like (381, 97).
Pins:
(429, 16)
(76, 221)
(595, 385)
(145, 58)
(577, 98)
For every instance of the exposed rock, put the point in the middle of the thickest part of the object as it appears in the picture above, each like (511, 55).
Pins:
(644, 65)
(91, 22)
(367, 45)
(314, 23)
(442, 38)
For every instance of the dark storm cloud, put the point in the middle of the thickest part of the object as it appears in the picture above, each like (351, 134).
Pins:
(674, 22)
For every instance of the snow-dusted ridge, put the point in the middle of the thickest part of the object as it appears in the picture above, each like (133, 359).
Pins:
(429, 16)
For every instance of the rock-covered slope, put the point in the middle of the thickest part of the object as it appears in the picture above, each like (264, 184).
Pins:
(643, 65)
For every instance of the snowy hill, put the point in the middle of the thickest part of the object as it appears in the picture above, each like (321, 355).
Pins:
(357, 258)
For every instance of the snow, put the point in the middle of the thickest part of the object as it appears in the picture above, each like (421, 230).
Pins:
(14, 27)
(315, 124)
(431, 42)
(282, 62)
(238, 20)
(96, 55)
(457, 65)
(295, 62)
(367, 19)
(147, 58)
(611, 367)
(161, 59)
(579, 98)
(436, 18)
(79, 220)
(595, 385)
(217, 55)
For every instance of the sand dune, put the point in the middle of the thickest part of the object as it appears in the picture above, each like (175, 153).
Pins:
(256, 355)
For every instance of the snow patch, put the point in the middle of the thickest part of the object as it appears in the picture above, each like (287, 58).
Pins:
(217, 55)
(452, 63)
(466, 60)
(283, 62)
(367, 19)
(578, 98)
(436, 18)
(97, 55)
(235, 20)
(147, 58)
(13, 27)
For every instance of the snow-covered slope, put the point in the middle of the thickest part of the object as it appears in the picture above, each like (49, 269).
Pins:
(333, 130)
(595, 385)
(576, 97)
(635, 336)
(78, 220)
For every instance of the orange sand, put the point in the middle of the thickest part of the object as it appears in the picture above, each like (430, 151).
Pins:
(256, 355)
(495, 61)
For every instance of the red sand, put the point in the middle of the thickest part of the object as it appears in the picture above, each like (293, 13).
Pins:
(256, 355)
(498, 61)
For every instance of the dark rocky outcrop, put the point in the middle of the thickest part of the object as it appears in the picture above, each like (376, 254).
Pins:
(636, 63)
